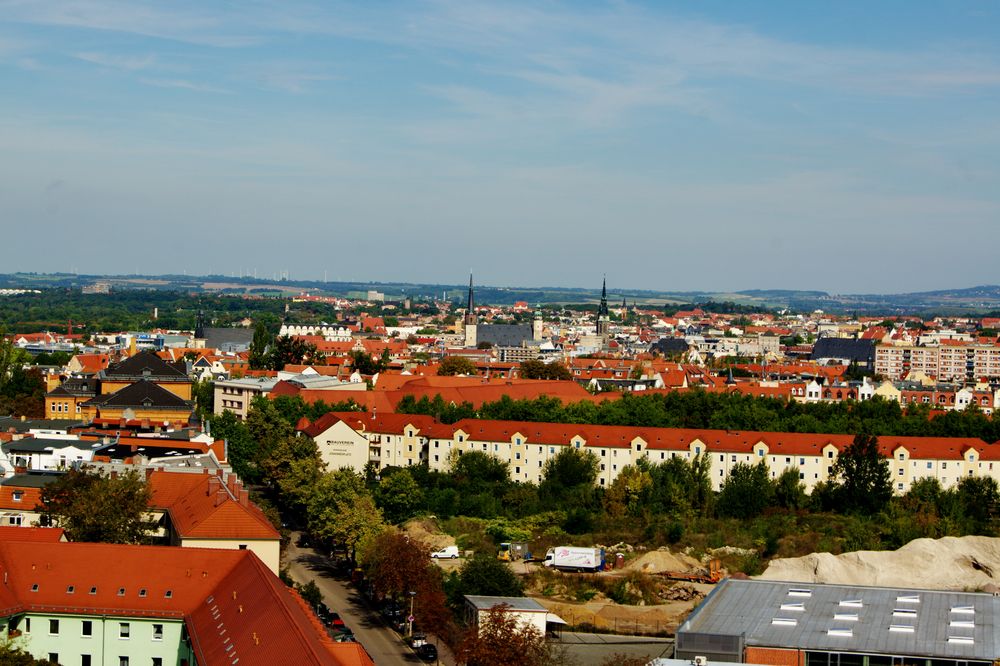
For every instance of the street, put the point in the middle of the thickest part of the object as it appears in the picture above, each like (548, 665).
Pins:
(381, 642)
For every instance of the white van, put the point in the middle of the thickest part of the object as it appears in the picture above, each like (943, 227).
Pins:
(446, 553)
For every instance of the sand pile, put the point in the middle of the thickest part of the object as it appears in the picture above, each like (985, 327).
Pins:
(951, 563)
(658, 561)
(426, 531)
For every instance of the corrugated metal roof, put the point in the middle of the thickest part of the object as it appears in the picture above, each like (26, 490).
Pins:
(943, 622)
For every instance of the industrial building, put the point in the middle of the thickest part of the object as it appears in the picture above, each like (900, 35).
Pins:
(799, 624)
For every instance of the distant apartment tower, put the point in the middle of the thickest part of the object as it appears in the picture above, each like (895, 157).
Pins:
(950, 362)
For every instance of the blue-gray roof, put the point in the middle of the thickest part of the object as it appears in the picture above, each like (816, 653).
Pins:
(845, 618)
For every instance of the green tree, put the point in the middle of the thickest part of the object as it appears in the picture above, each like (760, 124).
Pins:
(260, 347)
(746, 492)
(486, 575)
(399, 496)
(203, 392)
(533, 369)
(13, 655)
(341, 509)
(864, 484)
(93, 507)
(789, 491)
(457, 365)
(625, 494)
(289, 350)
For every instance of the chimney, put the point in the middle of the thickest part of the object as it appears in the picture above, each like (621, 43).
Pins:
(149, 472)
(244, 497)
(214, 485)
(220, 496)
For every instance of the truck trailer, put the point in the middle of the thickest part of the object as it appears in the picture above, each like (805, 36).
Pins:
(573, 558)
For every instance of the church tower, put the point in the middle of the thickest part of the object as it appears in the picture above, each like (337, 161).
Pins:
(537, 325)
(603, 318)
(471, 320)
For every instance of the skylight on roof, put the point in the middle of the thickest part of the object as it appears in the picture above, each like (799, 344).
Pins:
(784, 621)
(964, 610)
(852, 603)
(962, 640)
(904, 612)
(901, 628)
(168, 594)
(121, 591)
(908, 599)
(844, 633)
(846, 617)
(799, 592)
(793, 606)
(962, 624)
(34, 587)
(93, 590)
(142, 592)
(70, 589)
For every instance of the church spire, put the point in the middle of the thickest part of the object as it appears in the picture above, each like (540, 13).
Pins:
(471, 306)
(602, 310)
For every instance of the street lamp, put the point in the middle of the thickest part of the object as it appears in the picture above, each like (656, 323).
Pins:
(409, 619)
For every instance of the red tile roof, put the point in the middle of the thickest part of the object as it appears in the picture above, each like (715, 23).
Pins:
(200, 507)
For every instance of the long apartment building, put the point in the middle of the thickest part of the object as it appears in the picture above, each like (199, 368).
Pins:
(354, 439)
(962, 362)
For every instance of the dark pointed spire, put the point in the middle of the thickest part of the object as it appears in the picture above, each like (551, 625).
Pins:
(199, 327)
(602, 310)
(471, 304)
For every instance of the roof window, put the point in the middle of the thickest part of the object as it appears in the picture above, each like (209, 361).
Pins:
(70, 589)
(901, 628)
(908, 599)
(844, 633)
(904, 612)
(93, 590)
(800, 592)
(168, 594)
(142, 592)
(964, 610)
(962, 624)
(851, 603)
(121, 591)
(962, 640)
(784, 621)
(846, 617)
(793, 606)
(34, 587)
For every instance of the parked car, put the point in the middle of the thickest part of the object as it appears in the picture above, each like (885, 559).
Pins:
(446, 553)
(335, 621)
(428, 652)
(418, 639)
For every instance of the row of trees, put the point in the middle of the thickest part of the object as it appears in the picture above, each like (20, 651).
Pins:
(725, 411)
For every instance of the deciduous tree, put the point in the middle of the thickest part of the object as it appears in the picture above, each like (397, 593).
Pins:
(93, 507)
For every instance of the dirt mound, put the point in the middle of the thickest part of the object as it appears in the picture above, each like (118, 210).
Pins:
(950, 563)
(426, 531)
(658, 561)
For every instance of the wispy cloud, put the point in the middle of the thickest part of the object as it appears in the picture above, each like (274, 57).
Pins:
(184, 85)
(126, 62)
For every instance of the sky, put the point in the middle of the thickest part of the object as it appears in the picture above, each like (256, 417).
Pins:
(843, 146)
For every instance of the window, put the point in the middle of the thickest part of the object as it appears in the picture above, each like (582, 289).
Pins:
(54, 628)
(54, 657)
(157, 632)
(157, 661)
(142, 592)
(84, 660)
(93, 590)
(18, 494)
(122, 661)
(121, 591)
(123, 630)
(901, 472)
(70, 589)
(87, 628)
(930, 465)
(27, 625)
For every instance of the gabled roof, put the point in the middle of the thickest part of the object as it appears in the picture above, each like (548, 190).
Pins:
(146, 364)
(231, 604)
(143, 394)
(201, 506)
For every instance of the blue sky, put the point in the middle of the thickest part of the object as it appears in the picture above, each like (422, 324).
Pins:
(849, 146)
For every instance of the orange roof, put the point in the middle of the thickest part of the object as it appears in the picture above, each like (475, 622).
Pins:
(30, 497)
(232, 605)
(200, 507)
(43, 534)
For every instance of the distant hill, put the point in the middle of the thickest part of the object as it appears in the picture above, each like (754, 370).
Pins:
(979, 299)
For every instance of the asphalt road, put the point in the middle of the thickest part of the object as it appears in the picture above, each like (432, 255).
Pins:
(382, 643)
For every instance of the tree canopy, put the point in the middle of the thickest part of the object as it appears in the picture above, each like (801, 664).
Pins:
(92, 507)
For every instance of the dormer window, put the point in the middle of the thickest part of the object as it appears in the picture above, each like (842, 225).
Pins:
(18, 495)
